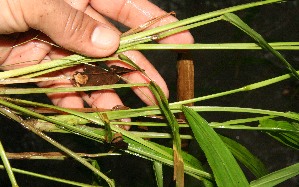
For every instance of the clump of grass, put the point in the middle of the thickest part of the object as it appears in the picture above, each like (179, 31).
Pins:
(221, 152)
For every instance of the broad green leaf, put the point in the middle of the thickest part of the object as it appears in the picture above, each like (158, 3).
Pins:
(290, 138)
(245, 157)
(225, 168)
(276, 177)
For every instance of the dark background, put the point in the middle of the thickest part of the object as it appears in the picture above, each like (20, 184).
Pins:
(215, 71)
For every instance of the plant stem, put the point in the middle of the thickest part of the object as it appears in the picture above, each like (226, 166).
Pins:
(50, 66)
(191, 20)
(62, 148)
(158, 169)
(218, 46)
(235, 20)
(11, 91)
(8, 167)
(39, 67)
(52, 155)
(242, 89)
(48, 177)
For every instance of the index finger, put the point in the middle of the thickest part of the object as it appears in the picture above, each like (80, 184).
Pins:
(136, 12)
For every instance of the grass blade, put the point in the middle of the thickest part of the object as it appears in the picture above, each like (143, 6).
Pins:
(225, 168)
(245, 157)
(69, 152)
(235, 20)
(290, 139)
(12, 91)
(191, 164)
(20, 171)
(158, 168)
(276, 177)
(216, 46)
(136, 37)
(177, 153)
(8, 167)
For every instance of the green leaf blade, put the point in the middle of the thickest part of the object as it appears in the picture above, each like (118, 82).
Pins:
(158, 169)
(245, 157)
(224, 166)
(276, 177)
(289, 138)
(235, 20)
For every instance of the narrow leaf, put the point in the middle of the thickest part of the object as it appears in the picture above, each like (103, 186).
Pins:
(7, 167)
(245, 157)
(235, 20)
(69, 182)
(158, 169)
(177, 157)
(226, 170)
(129, 61)
(191, 164)
(290, 139)
(276, 177)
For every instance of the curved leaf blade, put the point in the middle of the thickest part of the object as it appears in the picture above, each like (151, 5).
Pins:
(276, 177)
(235, 20)
(245, 157)
(226, 170)
(289, 138)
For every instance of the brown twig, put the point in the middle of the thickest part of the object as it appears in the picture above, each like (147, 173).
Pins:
(51, 155)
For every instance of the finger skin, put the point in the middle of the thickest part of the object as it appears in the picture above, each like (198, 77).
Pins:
(132, 13)
(68, 27)
(29, 53)
(137, 77)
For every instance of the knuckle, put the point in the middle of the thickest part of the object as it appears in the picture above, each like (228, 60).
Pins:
(76, 26)
(12, 19)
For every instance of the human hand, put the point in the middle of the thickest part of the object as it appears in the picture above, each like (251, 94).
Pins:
(81, 28)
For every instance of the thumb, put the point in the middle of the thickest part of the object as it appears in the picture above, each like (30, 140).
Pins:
(66, 26)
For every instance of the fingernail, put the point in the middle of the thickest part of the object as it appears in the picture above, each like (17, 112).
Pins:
(104, 38)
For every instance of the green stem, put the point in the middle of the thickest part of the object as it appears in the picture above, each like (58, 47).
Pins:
(151, 32)
(11, 91)
(290, 115)
(71, 128)
(131, 44)
(62, 148)
(242, 89)
(177, 152)
(219, 46)
(39, 67)
(158, 169)
(48, 177)
(188, 169)
(157, 135)
(8, 167)
(235, 20)
(68, 61)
